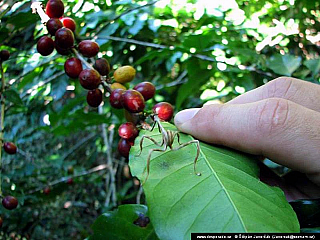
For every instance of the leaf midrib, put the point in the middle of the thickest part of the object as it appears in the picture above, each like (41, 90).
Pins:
(223, 187)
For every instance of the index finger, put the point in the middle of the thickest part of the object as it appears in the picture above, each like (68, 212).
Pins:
(298, 91)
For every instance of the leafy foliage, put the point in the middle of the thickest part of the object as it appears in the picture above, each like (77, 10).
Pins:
(192, 51)
(227, 197)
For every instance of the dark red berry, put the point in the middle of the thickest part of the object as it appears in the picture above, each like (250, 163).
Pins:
(164, 111)
(115, 98)
(94, 97)
(88, 48)
(102, 66)
(47, 190)
(73, 67)
(89, 79)
(128, 131)
(147, 90)
(55, 8)
(9, 202)
(124, 147)
(135, 118)
(133, 101)
(10, 147)
(4, 55)
(142, 220)
(60, 50)
(53, 25)
(1, 222)
(70, 181)
(69, 23)
(64, 38)
(45, 46)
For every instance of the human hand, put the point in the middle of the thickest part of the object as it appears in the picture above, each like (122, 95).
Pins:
(279, 120)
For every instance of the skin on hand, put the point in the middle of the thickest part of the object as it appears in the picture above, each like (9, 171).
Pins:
(279, 120)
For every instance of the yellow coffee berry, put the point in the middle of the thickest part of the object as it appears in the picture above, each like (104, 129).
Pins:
(124, 74)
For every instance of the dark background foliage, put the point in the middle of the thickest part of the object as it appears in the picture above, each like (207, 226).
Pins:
(192, 51)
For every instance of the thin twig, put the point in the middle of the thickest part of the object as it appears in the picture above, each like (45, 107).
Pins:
(50, 79)
(137, 42)
(64, 179)
(76, 146)
(199, 56)
(88, 65)
(180, 80)
(110, 178)
(1, 121)
(122, 14)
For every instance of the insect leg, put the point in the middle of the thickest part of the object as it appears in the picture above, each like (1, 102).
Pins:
(149, 158)
(150, 138)
(197, 156)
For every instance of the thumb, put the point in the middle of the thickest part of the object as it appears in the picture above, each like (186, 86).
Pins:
(281, 130)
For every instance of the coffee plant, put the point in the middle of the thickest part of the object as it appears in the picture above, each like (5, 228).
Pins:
(88, 93)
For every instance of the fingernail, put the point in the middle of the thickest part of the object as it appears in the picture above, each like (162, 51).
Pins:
(185, 115)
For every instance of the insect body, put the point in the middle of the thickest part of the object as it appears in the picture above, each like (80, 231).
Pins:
(168, 137)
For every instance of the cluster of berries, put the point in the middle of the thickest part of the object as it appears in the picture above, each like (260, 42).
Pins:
(132, 100)
(62, 28)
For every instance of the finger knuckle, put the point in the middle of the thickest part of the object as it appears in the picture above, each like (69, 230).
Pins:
(272, 115)
(279, 88)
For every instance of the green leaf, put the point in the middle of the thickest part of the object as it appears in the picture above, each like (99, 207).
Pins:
(12, 95)
(196, 78)
(199, 42)
(313, 65)
(284, 64)
(227, 197)
(119, 224)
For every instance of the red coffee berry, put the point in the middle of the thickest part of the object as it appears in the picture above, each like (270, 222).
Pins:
(135, 118)
(94, 97)
(115, 98)
(88, 48)
(47, 190)
(55, 8)
(89, 79)
(133, 101)
(73, 67)
(53, 25)
(9, 202)
(64, 38)
(147, 90)
(102, 66)
(124, 147)
(10, 147)
(128, 131)
(60, 50)
(70, 181)
(1, 222)
(45, 46)
(164, 110)
(4, 55)
(69, 23)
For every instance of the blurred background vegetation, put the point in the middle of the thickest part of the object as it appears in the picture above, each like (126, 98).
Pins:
(194, 52)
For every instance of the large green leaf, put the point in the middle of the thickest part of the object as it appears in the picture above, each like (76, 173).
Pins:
(313, 65)
(197, 76)
(227, 197)
(284, 64)
(119, 224)
(12, 95)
